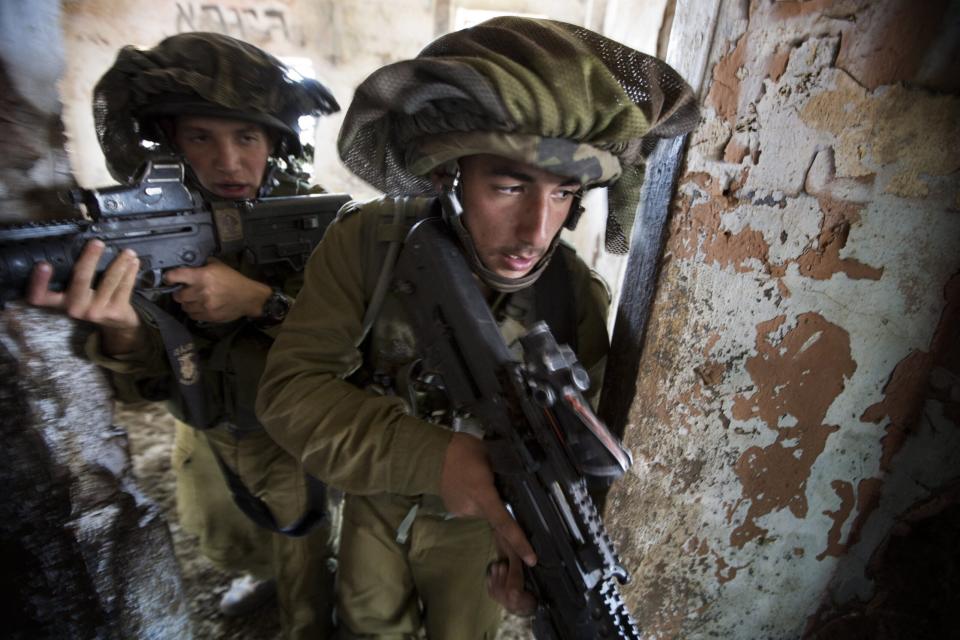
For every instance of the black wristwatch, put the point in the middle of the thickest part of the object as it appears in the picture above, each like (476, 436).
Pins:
(274, 309)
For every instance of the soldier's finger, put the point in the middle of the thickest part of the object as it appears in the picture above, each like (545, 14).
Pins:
(505, 585)
(196, 311)
(86, 265)
(180, 275)
(80, 294)
(124, 290)
(38, 288)
(186, 294)
(113, 277)
(510, 532)
(519, 600)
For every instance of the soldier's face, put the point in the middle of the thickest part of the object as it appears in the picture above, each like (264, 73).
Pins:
(513, 211)
(228, 156)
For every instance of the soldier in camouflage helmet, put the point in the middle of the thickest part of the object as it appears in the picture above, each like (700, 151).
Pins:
(231, 111)
(513, 120)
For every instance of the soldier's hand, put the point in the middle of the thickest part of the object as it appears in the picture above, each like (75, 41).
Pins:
(217, 293)
(467, 489)
(505, 582)
(107, 305)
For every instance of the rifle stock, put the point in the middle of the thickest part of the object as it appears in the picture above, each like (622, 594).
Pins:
(542, 436)
(168, 226)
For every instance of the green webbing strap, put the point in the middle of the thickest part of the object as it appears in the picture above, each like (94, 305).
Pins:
(386, 271)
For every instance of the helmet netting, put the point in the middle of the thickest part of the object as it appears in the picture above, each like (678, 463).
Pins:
(517, 75)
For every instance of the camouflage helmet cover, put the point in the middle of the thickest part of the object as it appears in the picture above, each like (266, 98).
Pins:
(198, 73)
(551, 94)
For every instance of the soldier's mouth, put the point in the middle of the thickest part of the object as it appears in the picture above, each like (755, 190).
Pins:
(232, 189)
(520, 262)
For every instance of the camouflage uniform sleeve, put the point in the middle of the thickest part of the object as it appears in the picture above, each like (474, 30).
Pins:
(348, 437)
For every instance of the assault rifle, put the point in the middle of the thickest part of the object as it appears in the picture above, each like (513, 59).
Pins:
(168, 225)
(541, 434)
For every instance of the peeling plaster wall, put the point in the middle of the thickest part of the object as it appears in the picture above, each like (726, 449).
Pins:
(799, 394)
(32, 156)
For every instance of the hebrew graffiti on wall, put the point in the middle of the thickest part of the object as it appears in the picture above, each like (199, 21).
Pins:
(244, 22)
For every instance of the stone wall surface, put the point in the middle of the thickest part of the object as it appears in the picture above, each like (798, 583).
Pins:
(798, 407)
(85, 554)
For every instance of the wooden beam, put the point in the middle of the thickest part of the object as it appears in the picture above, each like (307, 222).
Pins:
(690, 41)
(639, 284)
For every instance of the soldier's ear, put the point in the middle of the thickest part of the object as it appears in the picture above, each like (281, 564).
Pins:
(441, 179)
(162, 129)
(443, 176)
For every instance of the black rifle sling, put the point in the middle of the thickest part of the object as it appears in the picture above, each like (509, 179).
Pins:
(185, 364)
(258, 511)
(555, 302)
(183, 359)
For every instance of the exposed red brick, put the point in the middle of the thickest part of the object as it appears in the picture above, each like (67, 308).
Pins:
(825, 261)
(700, 178)
(868, 498)
(724, 92)
(710, 343)
(835, 547)
(778, 62)
(889, 40)
(790, 9)
(902, 403)
(906, 389)
(799, 375)
(703, 548)
(695, 231)
(711, 373)
(724, 573)
(735, 151)
(783, 289)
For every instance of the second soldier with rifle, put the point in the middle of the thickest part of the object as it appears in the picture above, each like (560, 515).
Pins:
(231, 112)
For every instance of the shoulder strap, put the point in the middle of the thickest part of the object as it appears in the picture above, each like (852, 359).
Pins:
(554, 300)
(404, 208)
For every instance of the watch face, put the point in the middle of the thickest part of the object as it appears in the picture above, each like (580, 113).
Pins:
(276, 307)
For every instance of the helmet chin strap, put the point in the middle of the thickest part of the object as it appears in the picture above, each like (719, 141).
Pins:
(453, 216)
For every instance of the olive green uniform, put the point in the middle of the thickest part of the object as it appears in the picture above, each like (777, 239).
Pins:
(398, 566)
(205, 507)
(232, 357)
